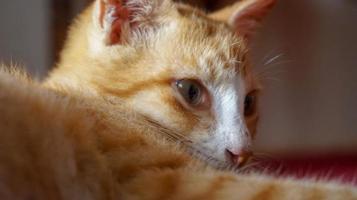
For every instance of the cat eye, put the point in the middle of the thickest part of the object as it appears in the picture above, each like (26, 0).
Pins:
(250, 103)
(192, 92)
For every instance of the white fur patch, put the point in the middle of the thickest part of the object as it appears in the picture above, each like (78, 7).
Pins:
(230, 131)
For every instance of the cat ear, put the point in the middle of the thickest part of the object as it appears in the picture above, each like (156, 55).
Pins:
(117, 21)
(245, 15)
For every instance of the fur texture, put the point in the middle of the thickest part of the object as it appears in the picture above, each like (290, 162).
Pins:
(107, 123)
(161, 42)
(55, 146)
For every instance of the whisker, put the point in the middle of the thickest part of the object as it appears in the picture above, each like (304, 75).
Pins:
(140, 121)
(269, 64)
(270, 71)
(271, 60)
(189, 146)
(269, 54)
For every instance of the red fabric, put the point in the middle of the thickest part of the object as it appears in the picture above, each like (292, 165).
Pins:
(337, 167)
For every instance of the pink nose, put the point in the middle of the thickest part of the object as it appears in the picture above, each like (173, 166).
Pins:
(240, 158)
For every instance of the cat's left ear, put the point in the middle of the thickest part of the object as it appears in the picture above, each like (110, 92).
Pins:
(245, 15)
(117, 22)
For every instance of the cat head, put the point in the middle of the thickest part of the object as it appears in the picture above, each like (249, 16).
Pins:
(185, 69)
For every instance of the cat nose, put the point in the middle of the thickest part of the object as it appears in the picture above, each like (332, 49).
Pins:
(239, 158)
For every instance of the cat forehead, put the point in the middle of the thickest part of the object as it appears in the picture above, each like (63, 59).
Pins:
(205, 47)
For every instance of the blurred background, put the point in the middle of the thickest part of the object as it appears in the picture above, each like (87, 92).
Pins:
(305, 53)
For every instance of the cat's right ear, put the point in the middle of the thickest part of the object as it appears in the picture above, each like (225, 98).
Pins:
(245, 15)
(118, 22)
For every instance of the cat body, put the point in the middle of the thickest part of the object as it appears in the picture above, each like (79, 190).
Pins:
(114, 121)
(55, 146)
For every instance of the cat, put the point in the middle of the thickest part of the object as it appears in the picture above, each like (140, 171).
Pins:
(142, 105)
(174, 65)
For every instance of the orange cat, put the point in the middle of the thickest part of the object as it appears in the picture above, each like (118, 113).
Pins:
(149, 98)
(172, 63)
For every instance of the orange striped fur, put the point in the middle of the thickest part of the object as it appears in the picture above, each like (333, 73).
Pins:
(108, 123)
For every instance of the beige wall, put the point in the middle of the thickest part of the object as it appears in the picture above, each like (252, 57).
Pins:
(310, 101)
(24, 34)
